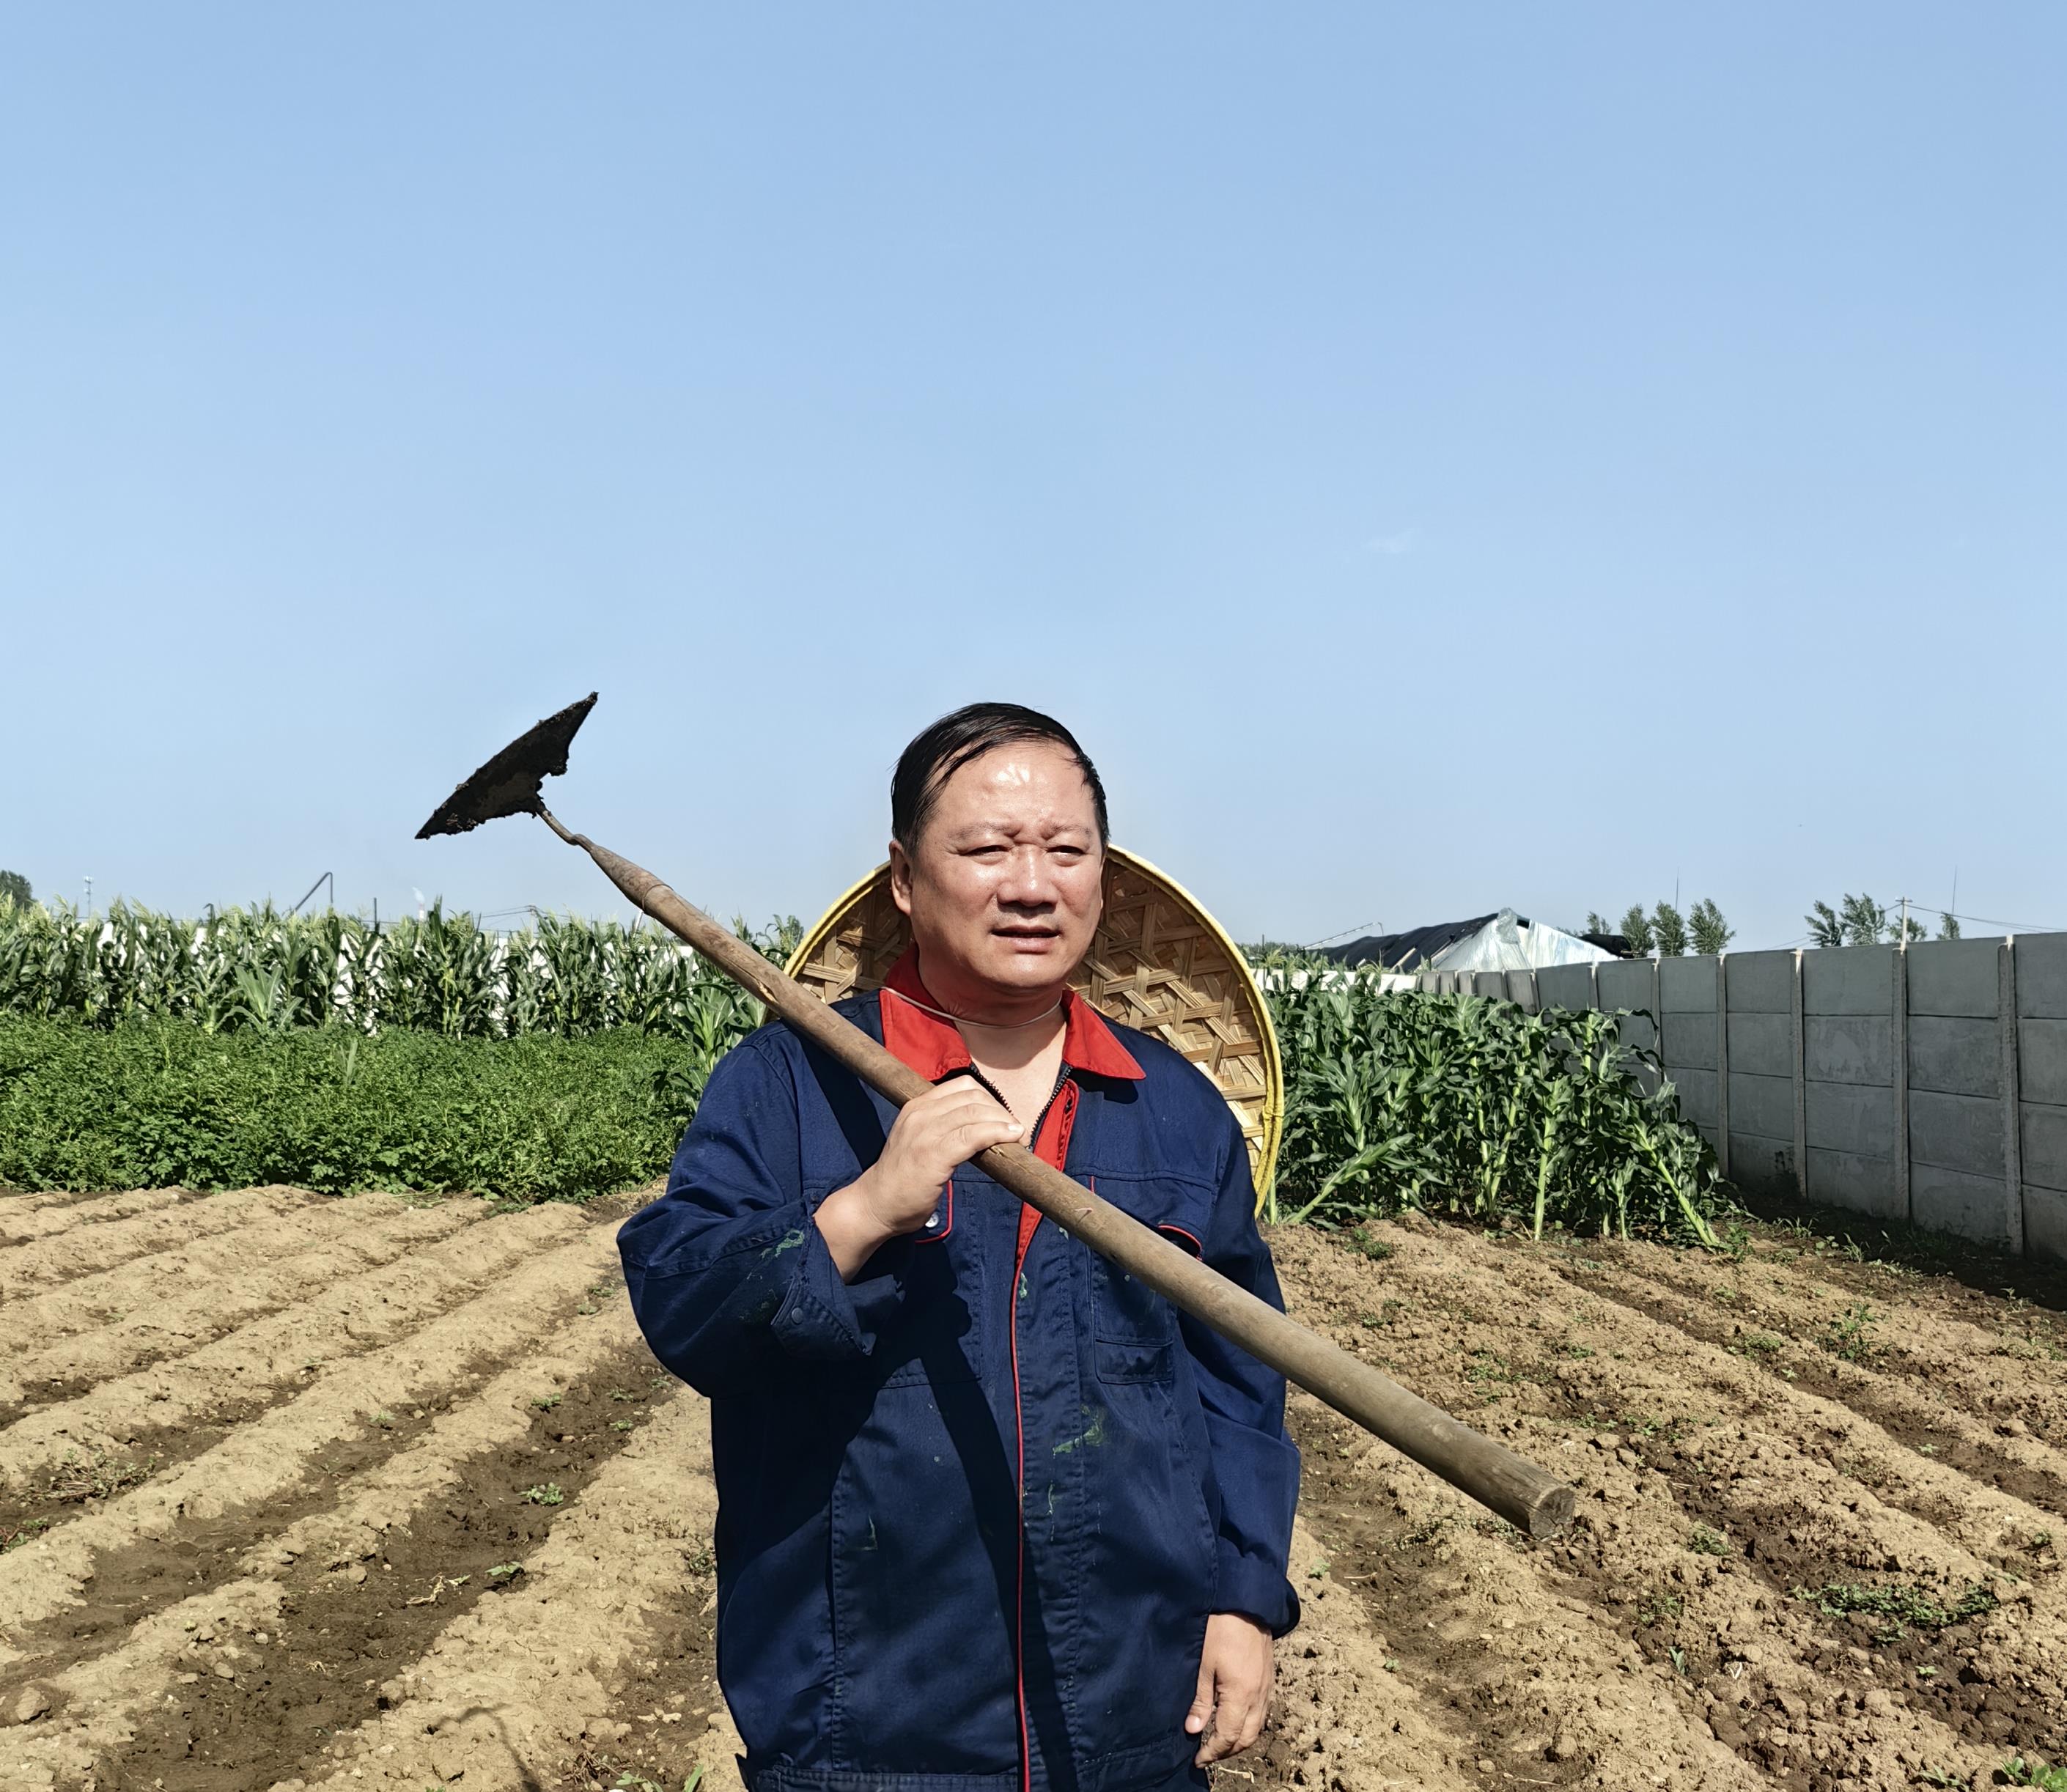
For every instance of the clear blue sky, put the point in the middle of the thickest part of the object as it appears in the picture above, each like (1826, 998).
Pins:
(1434, 457)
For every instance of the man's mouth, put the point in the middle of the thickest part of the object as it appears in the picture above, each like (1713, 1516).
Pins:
(1028, 936)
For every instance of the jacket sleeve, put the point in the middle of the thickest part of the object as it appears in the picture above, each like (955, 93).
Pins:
(1255, 1462)
(729, 1276)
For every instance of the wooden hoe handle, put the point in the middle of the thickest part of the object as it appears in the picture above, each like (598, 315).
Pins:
(1493, 1475)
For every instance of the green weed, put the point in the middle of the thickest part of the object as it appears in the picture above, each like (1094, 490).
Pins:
(76, 1480)
(546, 1493)
(1849, 1337)
(1900, 1605)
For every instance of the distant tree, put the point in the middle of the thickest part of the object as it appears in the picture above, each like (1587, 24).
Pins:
(15, 888)
(1711, 933)
(1861, 922)
(1597, 924)
(1636, 929)
(1865, 921)
(1668, 928)
(1948, 927)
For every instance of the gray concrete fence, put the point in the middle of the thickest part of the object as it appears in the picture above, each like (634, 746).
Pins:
(1928, 1085)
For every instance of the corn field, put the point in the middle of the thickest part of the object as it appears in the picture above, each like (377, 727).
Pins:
(257, 970)
(1407, 1098)
(1392, 1100)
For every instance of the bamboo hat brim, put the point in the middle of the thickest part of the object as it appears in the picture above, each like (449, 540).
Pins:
(1158, 962)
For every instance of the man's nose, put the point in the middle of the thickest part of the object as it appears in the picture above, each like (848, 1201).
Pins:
(1028, 881)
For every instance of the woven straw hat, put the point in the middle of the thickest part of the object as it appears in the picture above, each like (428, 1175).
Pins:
(1158, 962)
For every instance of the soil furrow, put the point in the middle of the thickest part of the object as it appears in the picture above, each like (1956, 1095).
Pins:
(509, 1690)
(1469, 1322)
(1531, 1686)
(266, 1461)
(2006, 1456)
(1815, 1546)
(256, 1361)
(26, 1218)
(369, 1588)
(170, 1225)
(2011, 1377)
(174, 1303)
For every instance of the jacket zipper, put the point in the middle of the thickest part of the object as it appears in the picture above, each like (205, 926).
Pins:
(1029, 1223)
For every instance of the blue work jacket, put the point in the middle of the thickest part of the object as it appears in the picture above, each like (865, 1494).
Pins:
(975, 1506)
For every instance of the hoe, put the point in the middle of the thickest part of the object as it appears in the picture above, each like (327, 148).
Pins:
(1525, 1495)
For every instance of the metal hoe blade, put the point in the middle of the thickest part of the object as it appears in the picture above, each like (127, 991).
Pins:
(508, 785)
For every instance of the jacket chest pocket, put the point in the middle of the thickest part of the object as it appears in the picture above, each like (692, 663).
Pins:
(1134, 1329)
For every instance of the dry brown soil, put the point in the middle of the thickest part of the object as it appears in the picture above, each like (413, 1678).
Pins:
(298, 1493)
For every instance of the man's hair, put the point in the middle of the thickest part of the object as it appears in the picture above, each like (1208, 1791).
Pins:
(937, 753)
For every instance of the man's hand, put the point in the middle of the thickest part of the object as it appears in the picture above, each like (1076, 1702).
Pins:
(930, 1139)
(1235, 1675)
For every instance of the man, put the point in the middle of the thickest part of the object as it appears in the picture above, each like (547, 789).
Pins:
(991, 1514)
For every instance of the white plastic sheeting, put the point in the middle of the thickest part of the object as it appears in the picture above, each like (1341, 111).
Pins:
(1507, 943)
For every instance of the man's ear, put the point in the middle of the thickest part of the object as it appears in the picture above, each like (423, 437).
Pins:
(900, 879)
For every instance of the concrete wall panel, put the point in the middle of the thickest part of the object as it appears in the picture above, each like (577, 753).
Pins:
(1521, 990)
(1955, 1132)
(1761, 982)
(1688, 985)
(1841, 1179)
(1851, 1118)
(1850, 980)
(1948, 1200)
(1690, 1039)
(1953, 977)
(1765, 1166)
(1565, 986)
(1848, 1048)
(1491, 984)
(2041, 1060)
(2046, 1146)
(1957, 1057)
(1627, 983)
(2046, 1223)
(1697, 1098)
(1761, 1105)
(1762, 1044)
(2041, 975)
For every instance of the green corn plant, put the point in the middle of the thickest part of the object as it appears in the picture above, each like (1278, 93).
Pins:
(1410, 1099)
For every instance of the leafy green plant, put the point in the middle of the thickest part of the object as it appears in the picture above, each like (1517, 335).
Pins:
(1851, 1336)
(1407, 1098)
(1901, 1605)
(546, 1493)
(1703, 1541)
(154, 1103)
(258, 969)
(2018, 1771)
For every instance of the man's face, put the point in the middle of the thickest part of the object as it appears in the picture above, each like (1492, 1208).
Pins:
(1003, 886)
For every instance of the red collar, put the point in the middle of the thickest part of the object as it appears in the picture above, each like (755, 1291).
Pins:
(933, 1047)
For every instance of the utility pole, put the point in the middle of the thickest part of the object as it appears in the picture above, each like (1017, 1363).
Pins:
(89, 893)
(1905, 924)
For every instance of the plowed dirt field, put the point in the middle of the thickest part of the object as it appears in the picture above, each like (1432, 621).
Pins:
(301, 1492)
